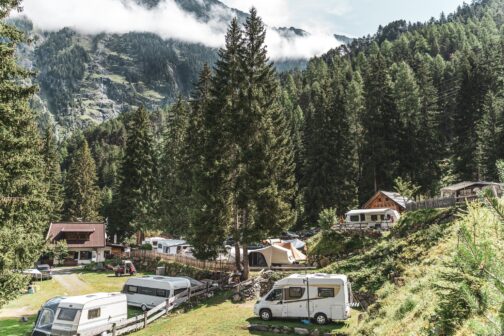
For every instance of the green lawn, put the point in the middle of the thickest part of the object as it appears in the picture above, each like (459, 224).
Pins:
(215, 316)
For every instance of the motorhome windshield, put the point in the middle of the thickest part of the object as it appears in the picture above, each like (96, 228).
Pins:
(45, 319)
(67, 314)
(275, 295)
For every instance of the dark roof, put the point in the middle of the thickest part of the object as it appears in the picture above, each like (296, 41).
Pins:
(466, 184)
(96, 233)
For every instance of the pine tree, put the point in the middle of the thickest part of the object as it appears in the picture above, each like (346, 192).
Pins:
(490, 131)
(23, 202)
(82, 196)
(53, 175)
(136, 202)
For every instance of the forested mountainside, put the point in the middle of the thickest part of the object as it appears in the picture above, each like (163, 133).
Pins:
(87, 79)
(423, 102)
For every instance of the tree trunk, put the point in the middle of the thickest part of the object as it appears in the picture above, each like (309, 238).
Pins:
(246, 270)
(237, 238)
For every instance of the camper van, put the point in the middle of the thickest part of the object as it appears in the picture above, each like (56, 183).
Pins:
(62, 316)
(322, 297)
(151, 290)
(372, 218)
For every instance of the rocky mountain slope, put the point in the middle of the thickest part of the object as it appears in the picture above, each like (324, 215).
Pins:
(86, 79)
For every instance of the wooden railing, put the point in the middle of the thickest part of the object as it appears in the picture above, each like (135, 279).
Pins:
(202, 264)
(436, 203)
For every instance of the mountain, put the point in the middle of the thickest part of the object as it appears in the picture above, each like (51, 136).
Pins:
(86, 79)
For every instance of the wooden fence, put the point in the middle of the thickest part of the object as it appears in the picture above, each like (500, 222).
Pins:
(223, 266)
(141, 321)
(436, 203)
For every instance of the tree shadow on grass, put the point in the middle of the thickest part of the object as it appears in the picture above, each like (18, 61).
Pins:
(332, 327)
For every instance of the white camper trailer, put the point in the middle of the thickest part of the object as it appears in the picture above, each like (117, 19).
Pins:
(151, 290)
(372, 218)
(322, 297)
(89, 314)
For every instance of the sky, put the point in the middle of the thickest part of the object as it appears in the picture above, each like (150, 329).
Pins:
(350, 17)
(321, 18)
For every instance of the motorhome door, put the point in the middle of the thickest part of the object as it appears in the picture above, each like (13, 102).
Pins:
(295, 301)
(277, 306)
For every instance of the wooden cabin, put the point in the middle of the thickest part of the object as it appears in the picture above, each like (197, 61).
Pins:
(387, 199)
(470, 189)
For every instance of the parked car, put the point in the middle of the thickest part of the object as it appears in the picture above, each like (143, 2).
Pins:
(46, 271)
(322, 297)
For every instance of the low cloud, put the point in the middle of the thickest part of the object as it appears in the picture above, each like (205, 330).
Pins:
(167, 20)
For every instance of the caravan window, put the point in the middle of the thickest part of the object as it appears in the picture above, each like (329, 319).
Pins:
(374, 218)
(363, 217)
(178, 291)
(93, 313)
(294, 293)
(146, 291)
(161, 292)
(132, 289)
(67, 314)
(354, 218)
(275, 295)
(382, 217)
(46, 318)
(325, 292)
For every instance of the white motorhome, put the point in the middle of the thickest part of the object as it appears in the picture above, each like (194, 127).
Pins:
(322, 297)
(372, 218)
(151, 290)
(90, 314)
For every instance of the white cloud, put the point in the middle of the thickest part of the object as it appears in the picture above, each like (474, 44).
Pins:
(170, 21)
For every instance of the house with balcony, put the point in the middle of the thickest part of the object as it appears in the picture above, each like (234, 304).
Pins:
(87, 242)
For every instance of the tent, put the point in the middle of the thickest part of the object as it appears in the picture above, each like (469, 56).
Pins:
(271, 255)
(298, 244)
(298, 255)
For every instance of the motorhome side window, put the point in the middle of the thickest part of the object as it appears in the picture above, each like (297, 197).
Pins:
(325, 292)
(354, 218)
(67, 314)
(93, 313)
(294, 293)
(275, 295)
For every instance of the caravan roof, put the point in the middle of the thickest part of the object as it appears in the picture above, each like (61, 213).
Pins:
(317, 278)
(160, 281)
(82, 300)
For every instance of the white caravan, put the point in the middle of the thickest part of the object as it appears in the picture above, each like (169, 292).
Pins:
(372, 218)
(90, 314)
(322, 297)
(151, 290)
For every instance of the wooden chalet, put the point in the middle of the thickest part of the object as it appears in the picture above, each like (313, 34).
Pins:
(387, 199)
(468, 189)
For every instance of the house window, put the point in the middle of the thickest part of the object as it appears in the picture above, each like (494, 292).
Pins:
(354, 218)
(93, 313)
(85, 255)
(325, 292)
(294, 293)
(374, 218)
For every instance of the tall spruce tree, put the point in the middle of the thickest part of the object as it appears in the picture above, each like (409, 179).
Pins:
(53, 175)
(82, 195)
(136, 200)
(23, 202)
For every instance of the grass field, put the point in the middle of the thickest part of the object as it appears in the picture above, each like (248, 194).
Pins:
(215, 316)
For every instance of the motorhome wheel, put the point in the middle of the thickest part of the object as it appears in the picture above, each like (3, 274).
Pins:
(320, 318)
(265, 314)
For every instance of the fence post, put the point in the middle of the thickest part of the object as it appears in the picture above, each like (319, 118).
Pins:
(145, 319)
(114, 329)
(167, 306)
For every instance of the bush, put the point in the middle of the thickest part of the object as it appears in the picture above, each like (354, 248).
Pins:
(146, 247)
